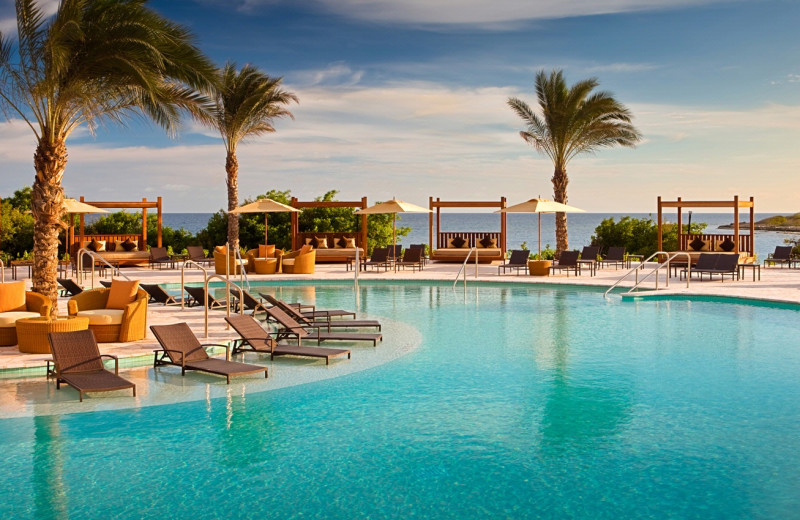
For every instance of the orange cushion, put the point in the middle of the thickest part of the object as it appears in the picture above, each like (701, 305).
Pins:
(122, 293)
(12, 296)
(266, 251)
(220, 250)
(306, 249)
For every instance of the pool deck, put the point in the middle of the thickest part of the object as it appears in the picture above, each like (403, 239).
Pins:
(776, 284)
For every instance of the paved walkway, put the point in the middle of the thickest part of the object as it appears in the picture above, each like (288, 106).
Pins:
(776, 284)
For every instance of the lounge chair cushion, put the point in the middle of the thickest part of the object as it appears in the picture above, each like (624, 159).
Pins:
(8, 319)
(122, 293)
(697, 244)
(12, 296)
(103, 316)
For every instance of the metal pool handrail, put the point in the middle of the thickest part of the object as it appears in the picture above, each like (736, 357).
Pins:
(228, 285)
(636, 270)
(83, 251)
(464, 268)
(183, 268)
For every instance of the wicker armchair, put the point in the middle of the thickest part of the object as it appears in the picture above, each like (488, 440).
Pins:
(299, 262)
(219, 263)
(35, 305)
(133, 326)
(253, 255)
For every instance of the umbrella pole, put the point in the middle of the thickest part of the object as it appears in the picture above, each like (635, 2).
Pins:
(540, 236)
(394, 241)
(265, 228)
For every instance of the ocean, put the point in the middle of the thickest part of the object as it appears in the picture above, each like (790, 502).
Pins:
(522, 227)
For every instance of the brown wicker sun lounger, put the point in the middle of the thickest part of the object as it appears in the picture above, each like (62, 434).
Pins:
(327, 324)
(256, 339)
(249, 301)
(411, 258)
(198, 295)
(158, 294)
(568, 262)
(314, 313)
(615, 257)
(379, 258)
(180, 347)
(290, 328)
(70, 288)
(79, 364)
(518, 260)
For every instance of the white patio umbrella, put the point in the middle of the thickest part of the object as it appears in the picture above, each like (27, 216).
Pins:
(265, 206)
(394, 207)
(73, 207)
(540, 206)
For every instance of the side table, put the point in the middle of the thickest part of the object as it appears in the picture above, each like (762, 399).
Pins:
(753, 267)
(32, 332)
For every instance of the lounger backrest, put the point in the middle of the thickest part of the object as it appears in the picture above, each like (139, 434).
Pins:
(285, 307)
(71, 287)
(380, 254)
(616, 253)
(727, 263)
(156, 292)
(196, 252)
(105, 283)
(247, 327)
(519, 257)
(569, 258)
(158, 253)
(590, 252)
(199, 294)
(179, 342)
(782, 252)
(75, 351)
(412, 255)
(286, 321)
(707, 261)
(394, 251)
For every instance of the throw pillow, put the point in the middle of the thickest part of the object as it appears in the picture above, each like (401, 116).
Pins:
(342, 242)
(111, 246)
(697, 244)
(119, 245)
(350, 243)
(121, 293)
(727, 245)
(487, 242)
(322, 242)
(306, 249)
(308, 242)
(96, 246)
(12, 296)
(458, 242)
(129, 245)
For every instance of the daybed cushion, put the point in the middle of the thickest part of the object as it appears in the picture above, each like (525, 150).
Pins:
(12, 296)
(103, 316)
(8, 319)
(339, 252)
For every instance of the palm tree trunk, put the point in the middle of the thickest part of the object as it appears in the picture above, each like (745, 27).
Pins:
(232, 169)
(560, 182)
(47, 205)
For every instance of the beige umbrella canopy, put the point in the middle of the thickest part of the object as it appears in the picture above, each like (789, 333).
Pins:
(394, 207)
(540, 206)
(264, 206)
(72, 207)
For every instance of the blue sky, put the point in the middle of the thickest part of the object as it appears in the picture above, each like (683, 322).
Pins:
(406, 98)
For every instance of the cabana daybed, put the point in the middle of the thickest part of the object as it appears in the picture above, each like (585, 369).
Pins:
(330, 246)
(452, 246)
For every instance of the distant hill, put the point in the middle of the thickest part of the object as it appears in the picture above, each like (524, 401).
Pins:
(776, 223)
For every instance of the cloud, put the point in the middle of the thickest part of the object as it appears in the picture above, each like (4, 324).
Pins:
(495, 15)
(335, 74)
(8, 26)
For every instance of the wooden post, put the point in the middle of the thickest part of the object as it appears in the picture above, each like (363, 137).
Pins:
(680, 227)
(503, 227)
(143, 245)
(438, 222)
(430, 225)
(364, 233)
(752, 227)
(736, 222)
(295, 224)
(82, 225)
(660, 237)
(159, 222)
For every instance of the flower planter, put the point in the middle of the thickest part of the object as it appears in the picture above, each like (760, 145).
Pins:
(539, 267)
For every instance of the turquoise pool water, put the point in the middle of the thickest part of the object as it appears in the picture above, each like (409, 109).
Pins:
(522, 402)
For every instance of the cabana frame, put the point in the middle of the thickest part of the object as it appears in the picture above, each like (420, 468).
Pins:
(144, 205)
(743, 242)
(443, 236)
(361, 236)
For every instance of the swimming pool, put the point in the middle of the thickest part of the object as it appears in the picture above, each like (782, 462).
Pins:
(521, 402)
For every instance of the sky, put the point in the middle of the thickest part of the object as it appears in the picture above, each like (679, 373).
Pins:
(408, 99)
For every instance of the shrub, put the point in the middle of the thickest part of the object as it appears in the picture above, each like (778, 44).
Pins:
(638, 236)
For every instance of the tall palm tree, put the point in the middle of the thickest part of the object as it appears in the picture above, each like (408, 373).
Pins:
(573, 120)
(246, 102)
(92, 60)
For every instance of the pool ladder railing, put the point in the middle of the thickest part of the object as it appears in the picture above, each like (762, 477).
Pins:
(655, 271)
(115, 271)
(463, 268)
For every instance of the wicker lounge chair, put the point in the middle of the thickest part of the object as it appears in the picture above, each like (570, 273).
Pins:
(310, 311)
(615, 257)
(79, 364)
(180, 347)
(105, 283)
(589, 258)
(518, 260)
(196, 254)
(411, 258)
(256, 339)
(69, 287)
(158, 294)
(290, 328)
(198, 295)
(716, 263)
(568, 262)
(327, 324)
(395, 252)
(160, 258)
(422, 255)
(379, 258)
(782, 256)
(250, 302)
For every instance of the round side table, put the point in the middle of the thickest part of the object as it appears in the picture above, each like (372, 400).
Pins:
(32, 332)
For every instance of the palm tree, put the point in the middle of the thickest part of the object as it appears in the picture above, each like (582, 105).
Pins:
(245, 104)
(92, 60)
(573, 120)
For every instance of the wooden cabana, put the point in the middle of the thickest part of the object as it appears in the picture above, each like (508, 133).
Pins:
(743, 243)
(144, 205)
(334, 253)
(471, 238)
